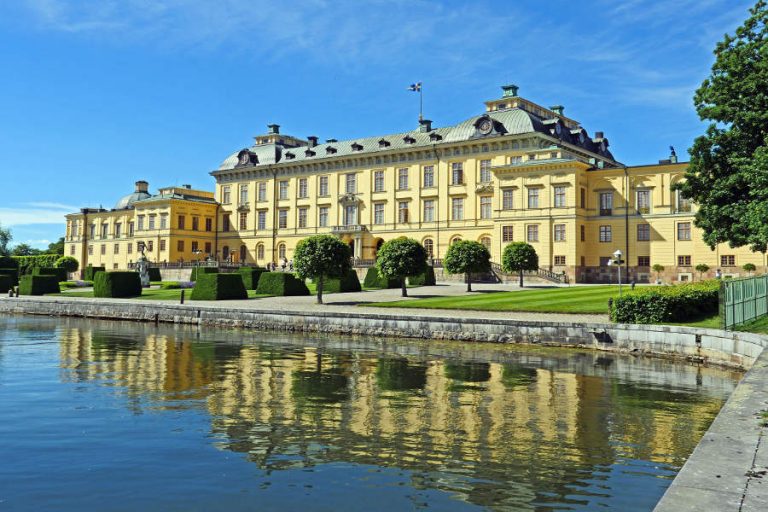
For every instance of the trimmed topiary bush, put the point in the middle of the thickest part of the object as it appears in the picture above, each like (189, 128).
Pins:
(38, 285)
(202, 270)
(679, 303)
(347, 283)
(374, 280)
(89, 272)
(425, 279)
(154, 274)
(12, 273)
(281, 284)
(117, 284)
(68, 263)
(60, 273)
(251, 276)
(9, 262)
(6, 283)
(219, 287)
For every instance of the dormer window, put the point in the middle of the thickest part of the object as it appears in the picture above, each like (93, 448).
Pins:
(383, 143)
(357, 147)
(289, 155)
(435, 136)
(408, 139)
(330, 150)
(309, 152)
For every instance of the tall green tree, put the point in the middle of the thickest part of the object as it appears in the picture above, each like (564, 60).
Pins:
(519, 257)
(728, 173)
(5, 239)
(400, 258)
(56, 247)
(321, 256)
(465, 257)
(25, 250)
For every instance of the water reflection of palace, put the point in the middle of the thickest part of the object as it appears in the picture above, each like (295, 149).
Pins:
(492, 431)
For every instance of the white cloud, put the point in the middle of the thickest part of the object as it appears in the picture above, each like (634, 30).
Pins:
(35, 213)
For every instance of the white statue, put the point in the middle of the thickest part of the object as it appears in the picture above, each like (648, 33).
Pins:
(142, 266)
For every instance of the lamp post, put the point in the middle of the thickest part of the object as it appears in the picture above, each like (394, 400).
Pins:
(618, 262)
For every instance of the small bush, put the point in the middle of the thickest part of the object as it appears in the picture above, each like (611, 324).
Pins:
(202, 270)
(677, 303)
(12, 273)
(67, 262)
(425, 279)
(6, 283)
(154, 274)
(38, 285)
(89, 272)
(374, 280)
(347, 283)
(219, 287)
(60, 273)
(251, 276)
(281, 284)
(117, 284)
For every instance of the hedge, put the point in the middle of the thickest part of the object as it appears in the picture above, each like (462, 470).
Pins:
(38, 285)
(679, 303)
(89, 272)
(219, 287)
(9, 262)
(117, 284)
(425, 279)
(202, 270)
(281, 284)
(374, 280)
(154, 274)
(251, 276)
(347, 283)
(60, 273)
(27, 263)
(6, 283)
(12, 273)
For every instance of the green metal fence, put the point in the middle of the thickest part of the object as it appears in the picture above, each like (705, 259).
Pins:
(743, 300)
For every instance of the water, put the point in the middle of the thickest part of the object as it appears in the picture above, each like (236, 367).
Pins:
(120, 416)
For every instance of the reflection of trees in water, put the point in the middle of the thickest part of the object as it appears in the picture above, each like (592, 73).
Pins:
(397, 374)
(326, 385)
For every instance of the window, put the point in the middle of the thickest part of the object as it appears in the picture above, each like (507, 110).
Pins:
(683, 230)
(118, 229)
(683, 204)
(130, 248)
(455, 239)
(104, 230)
(402, 212)
(90, 250)
(643, 261)
(195, 223)
(516, 159)
(323, 188)
(282, 219)
(532, 232)
(302, 217)
(532, 157)
(429, 176)
(559, 197)
(151, 222)
(140, 219)
(485, 171)
(429, 247)
(225, 253)
(261, 220)
(507, 199)
(485, 207)
(322, 219)
(283, 190)
(208, 247)
(93, 229)
(243, 194)
(728, 261)
(117, 249)
(181, 221)
(281, 251)
(560, 261)
(583, 231)
(402, 179)
(583, 198)
(559, 232)
(643, 232)
(161, 245)
(429, 210)
(378, 213)
(350, 215)
(262, 191)
(225, 222)
(606, 203)
(507, 233)
(486, 241)
(533, 198)
(303, 190)
(163, 221)
(243, 220)
(208, 224)
(103, 249)
(260, 252)
(180, 246)
(195, 247)
(72, 250)
(605, 234)
(683, 261)
(225, 194)
(457, 173)
(350, 183)
(457, 208)
(644, 201)
(378, 181)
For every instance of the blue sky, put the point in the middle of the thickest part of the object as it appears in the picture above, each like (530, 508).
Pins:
(96, 95)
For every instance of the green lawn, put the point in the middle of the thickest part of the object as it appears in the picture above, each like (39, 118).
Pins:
(155, 294)
(576, 299)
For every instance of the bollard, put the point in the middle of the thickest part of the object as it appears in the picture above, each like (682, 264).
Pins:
(17, 291)
(610, 303)
(182, 296)
(10, 292)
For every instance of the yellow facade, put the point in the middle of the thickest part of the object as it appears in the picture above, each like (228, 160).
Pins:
(177, 224)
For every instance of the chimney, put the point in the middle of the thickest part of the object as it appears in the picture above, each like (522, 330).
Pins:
(510, 91)
(557, 109)
(142, 186)
(273, 129)
(672, 155)
(425, 125)
(187, 186)
(599, 135)
(312, 141)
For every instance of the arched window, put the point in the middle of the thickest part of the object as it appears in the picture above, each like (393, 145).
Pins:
(243, 253)
(260, 252)
(455, 239)
(486, 241)
(281, 251)
(225, 253)
(429, 246)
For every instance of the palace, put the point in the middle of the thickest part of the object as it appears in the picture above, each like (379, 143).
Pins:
(516, 172)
